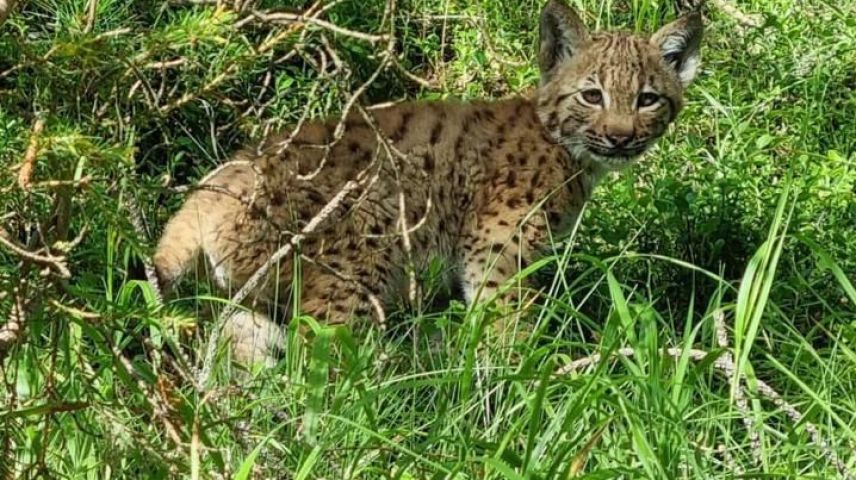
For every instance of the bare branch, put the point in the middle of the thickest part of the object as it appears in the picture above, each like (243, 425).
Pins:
(797, 419)
(294, 18)
(166, 64)
(349, 104)
(52, 184)
(75, 312)
(739, 393)
(56, 263)
(415, 78)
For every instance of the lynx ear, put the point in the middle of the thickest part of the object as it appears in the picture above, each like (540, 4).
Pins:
(679, 44)
(562, 34)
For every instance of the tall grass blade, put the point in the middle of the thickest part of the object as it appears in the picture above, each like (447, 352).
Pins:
(319, 367)
(756, 285)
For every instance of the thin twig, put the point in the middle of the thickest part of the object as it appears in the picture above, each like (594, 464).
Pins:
(412, 76)
(11, 331)
(797, 418)
(373, 299)
(167, 64)
(83, 182)
(160, 411)
(408, 247)
(304, 117)
(75, 312)
(180, 364)
(91, 12)
(339, 132)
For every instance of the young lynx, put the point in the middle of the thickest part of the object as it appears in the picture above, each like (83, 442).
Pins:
(480, 184)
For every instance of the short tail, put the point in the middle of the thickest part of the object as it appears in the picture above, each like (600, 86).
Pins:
(188, 230)
(181, 242)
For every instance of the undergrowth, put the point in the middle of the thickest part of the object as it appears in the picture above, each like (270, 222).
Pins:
(745, 212)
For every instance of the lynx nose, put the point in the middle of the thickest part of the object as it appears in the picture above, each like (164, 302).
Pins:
(619, 140)
(619, 130)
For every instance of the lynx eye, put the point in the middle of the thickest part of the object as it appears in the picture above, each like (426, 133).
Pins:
(646, 99)
(593, 96)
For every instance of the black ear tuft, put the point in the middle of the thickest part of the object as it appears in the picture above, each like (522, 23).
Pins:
(562, 33)
(679, 43)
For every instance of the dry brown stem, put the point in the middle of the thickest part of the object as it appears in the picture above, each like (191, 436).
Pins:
(91, 12)
(738, 387)
(25, 174)
(83, 182)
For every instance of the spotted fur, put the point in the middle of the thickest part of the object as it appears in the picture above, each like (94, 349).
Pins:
(482, 183)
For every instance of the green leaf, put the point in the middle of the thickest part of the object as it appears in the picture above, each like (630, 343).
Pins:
(502, 468)
(317, 383)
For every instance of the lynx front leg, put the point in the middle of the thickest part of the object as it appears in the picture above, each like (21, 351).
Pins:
(492, 256)
(488, 267)
(497, 248)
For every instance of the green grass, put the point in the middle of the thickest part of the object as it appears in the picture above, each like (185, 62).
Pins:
(746, 210)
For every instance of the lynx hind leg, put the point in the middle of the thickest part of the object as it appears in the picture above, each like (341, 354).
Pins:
(195, 226)
(254, 338)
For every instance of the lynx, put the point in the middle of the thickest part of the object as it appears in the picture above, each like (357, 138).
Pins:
(480, 184)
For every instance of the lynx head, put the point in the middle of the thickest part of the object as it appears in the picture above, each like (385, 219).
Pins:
(608, 96)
